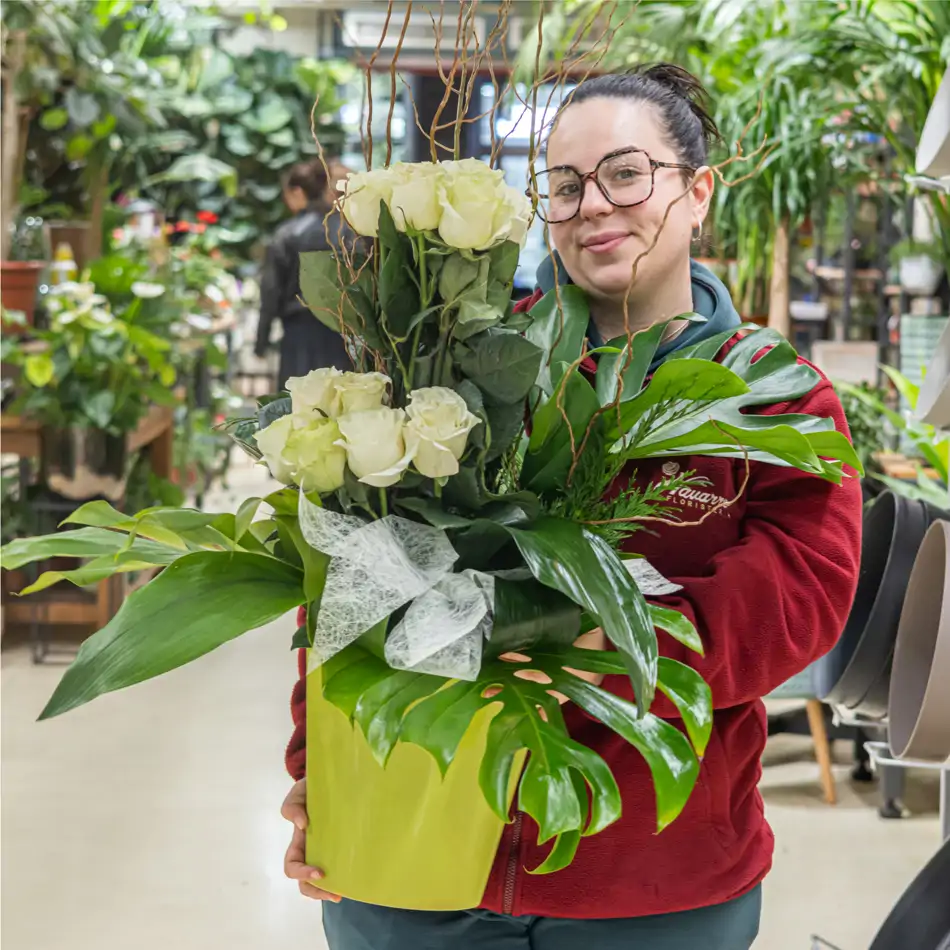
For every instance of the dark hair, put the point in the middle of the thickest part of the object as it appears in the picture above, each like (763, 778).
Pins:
(680, 98)
(310, 177)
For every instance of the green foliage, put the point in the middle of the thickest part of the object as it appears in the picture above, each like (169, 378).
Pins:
(566, 788)
(96, 370)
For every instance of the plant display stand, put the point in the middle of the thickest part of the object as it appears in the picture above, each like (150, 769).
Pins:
(64, 605)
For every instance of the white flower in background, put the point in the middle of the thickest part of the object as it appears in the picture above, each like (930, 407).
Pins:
(416, 195)
(272, 441)
(83, 295)
(375, 445)
(362, 193)
(358, 391)
(146, 290)
(437, 431)
(315, 455)
(478, 209)
(315, 394)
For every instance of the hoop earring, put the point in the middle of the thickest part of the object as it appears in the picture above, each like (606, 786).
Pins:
(698, 236)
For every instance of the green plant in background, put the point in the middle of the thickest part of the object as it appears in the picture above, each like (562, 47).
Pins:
(90, 368)
(810, 79)
(867, 408)
(911, 248)
(870, 430)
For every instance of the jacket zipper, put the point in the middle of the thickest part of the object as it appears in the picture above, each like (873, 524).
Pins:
(511, 874)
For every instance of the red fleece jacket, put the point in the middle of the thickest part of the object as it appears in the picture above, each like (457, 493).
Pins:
(768, 582)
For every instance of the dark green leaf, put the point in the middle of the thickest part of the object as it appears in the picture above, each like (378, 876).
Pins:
(438, 723)
(560, 331)
(433, 513)
(380, 709)
(553, 439)
(301, 639)
(526, 613)
(667, 751)
(274, 410)
(505, 425)
(192, 607)
(504, 262)
(398, 294)
(503, 364)
(562, 555)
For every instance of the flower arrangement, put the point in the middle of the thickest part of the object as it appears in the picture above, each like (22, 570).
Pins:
(451, 522)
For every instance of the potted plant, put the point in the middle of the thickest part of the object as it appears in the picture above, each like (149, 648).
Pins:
(88, 379)
(33, 50)
(920, 265)
(444, 507)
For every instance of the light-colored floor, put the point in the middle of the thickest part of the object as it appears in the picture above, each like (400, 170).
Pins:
(149, 819)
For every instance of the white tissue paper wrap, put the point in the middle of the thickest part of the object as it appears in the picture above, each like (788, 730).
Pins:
(377, 567)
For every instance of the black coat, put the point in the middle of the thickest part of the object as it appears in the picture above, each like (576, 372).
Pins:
(307, 344)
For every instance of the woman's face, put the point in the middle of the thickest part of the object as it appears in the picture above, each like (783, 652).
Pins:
(295, 198)
(600, 244)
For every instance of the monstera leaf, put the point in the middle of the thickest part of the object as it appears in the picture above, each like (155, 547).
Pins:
(566, 787)
(694, 406)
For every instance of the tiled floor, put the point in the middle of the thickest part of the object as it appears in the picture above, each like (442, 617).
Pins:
(150, 819)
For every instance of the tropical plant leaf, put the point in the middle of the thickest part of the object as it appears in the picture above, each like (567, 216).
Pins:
(583, 567)
(503, 364)
(689, 408)
(558, 428)
(83, 543)
(692, 697)
(560, 331)
(527, 613)
(672, 761)
(197, 603)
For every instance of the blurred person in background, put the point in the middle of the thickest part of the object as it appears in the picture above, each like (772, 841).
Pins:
(306, 344)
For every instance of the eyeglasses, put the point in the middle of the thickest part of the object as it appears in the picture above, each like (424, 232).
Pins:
(625, 178)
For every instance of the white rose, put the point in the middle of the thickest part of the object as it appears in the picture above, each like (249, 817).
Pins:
(437, 431)
(478, 209)
(272, 441)
(360, 202)
(315, 394)
(375, 446)
(315, 455)
(416, 196)
(358, 391)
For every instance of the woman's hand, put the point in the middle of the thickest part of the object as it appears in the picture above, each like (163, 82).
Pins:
(296, 868)
(592, 640)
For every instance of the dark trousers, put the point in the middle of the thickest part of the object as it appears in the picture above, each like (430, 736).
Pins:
(353, 926)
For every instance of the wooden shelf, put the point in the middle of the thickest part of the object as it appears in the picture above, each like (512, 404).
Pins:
(837, 273)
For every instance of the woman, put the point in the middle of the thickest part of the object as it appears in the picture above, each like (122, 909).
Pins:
(306, 344)
(768, 580)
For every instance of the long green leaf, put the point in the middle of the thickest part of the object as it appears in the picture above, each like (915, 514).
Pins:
(677, 625)
(581, 565)
(692, 697)
(192, 607)
(83, 542)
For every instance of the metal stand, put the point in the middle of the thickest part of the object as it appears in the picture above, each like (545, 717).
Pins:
(893, 777)
(881, 756)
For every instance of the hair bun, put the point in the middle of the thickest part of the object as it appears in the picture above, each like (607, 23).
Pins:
(684, 84)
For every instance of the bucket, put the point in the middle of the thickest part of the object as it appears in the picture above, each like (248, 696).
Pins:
(856, 673)
(400, 836)
(919, 707)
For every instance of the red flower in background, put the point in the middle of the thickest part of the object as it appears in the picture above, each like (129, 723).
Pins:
(200, 228)
(207, 217)
(182, 226)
